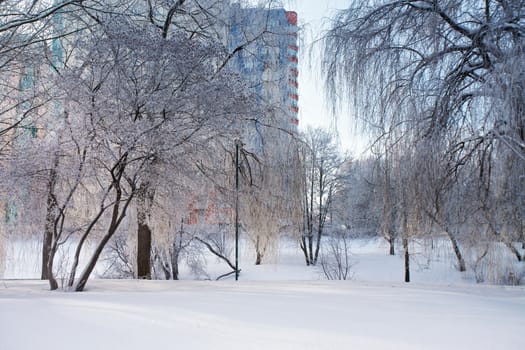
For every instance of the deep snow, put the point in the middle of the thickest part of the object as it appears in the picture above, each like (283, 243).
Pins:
(283, 305)
(260, 315)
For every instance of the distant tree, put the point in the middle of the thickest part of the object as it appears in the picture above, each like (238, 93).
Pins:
(357, 205)
(322, 177)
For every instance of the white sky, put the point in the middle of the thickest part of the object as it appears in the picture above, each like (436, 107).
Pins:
(313, 17)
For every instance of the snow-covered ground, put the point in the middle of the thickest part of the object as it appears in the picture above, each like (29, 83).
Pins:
(282, 305)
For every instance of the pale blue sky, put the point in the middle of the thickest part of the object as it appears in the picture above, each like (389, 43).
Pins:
(313, 17)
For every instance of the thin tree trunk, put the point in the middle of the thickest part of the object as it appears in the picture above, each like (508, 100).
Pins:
(311, 219)
(407, 260)
(386, 224)
(53, 284)
(317, 245)
(259, 254)
(217, 253)
(310, 245)
(80, 245)
(320, 214)
(116, 218)
(304, 249)
(177, 248)
(47, 264)
(175, 267)
(391, 243)
(457, 251)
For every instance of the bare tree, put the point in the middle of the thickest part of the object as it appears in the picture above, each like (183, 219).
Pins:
(322, 178)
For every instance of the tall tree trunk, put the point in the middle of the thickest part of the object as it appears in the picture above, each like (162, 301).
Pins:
(177, 249)
(320, 222)
(387, 220)
(305, 222)
(175, 266)
(144, 202)
(311, 218)
(317, 245)
(48, 244)
(258, 252)
(143, 251)
(407, 259)
(310, 245)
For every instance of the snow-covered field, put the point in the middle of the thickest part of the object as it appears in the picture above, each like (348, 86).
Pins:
(276, 306)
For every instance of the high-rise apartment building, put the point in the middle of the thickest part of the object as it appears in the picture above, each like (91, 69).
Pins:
(269, 58)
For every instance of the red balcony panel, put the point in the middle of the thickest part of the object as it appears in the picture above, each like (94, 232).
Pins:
(291, 17)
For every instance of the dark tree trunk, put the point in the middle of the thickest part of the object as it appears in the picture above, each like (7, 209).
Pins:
(317, 246)
(407, 260)
(258, 259)
(144, 202)
(80, 245)
(457, 251)
(304, 249)
(116, 218)
(320, 221)
(48, 244)
(53, 284)
(310, 246)
(259, 253)
(175, 267)
(310, 217)
(117, 215)
(143, 251)
(391, 243)
(46, 249)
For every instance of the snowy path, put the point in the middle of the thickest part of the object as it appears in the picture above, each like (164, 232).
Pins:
(260, 315)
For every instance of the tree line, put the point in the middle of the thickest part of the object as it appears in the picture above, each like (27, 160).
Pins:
(119, 120)
(439, 87)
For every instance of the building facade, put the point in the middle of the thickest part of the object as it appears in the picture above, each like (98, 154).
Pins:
(269, 58)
